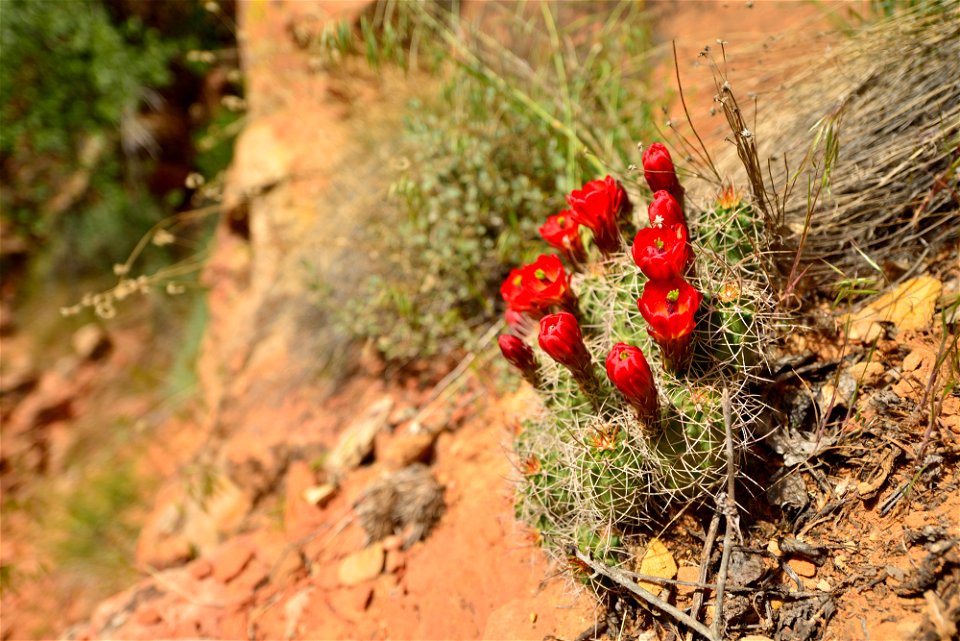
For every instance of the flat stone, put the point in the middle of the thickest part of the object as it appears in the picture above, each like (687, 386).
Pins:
(296, 508)
(405, 449)
(395, 562)
(351, 602)
(319, 495)
(909, 307)
(148, 615)
(356, 442)
(201, 569)
(657, 561)
(230, 561)
(803, 568)
(689, 573)
(91, 342)
(865, 374)
(361, 566)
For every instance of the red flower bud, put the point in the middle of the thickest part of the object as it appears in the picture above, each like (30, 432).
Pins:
(629, 372)
(597, 207)
(669, 307)
(659, 172)
(665, 211)
(563, 233)
(561, 339)
(538, 286)
(520, 356)
(662, 253)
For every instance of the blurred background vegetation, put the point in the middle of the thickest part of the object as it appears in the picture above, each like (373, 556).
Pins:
(102, 104)
(527, 101)
(114, 115)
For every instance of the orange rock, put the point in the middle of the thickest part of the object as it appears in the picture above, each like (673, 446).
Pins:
(296, 509)
(351, 602)
(687, 573)
(201, 569)
(803, 567)
(148, 615)
(230, 560)
(395, 562)
(405, 449)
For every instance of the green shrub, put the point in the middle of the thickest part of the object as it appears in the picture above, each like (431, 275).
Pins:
(71, 75)
(518, 122)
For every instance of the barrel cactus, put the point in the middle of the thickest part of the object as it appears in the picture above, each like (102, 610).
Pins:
(631, 426)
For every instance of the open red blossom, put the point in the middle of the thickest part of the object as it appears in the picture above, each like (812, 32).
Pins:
(597, 207)
(665, 211)
(538, 286)
(629, 372)
(561, 339)
(662, 253)
(563, 233)
(659, 171)
(669, 306)
(520, 356)
(515, 295)
(547, 282)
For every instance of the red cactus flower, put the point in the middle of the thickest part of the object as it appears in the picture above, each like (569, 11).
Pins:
(514, 294)
(662, 253)
(597, 207)
(659, 171)
(548, 283)
(563, 233)
(561, 339)
(520, 356)
(538, 286)
(629, 372)
(665, 211)
(669, 307)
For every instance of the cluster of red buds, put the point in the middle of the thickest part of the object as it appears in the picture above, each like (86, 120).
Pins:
(599, 206)
(662, 251)
(533, 291)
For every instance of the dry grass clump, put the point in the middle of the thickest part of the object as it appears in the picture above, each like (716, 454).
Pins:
(858, 155)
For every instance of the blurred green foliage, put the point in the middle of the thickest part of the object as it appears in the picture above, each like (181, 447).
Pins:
(480, 177)
(65, 81)
(72, 77)
(68, 71)
(519, 121)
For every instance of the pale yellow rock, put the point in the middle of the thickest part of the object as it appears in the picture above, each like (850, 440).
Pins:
(865, 374)
(657, 561)
(319, 495)
(910, 307)
(361, 566)
(356, 442)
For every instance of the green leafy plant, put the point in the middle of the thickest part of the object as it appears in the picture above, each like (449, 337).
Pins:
(73, 154)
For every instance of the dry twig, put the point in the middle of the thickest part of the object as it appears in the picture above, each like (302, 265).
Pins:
(621, 579)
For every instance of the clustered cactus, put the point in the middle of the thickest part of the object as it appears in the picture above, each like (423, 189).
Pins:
(610, 454)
